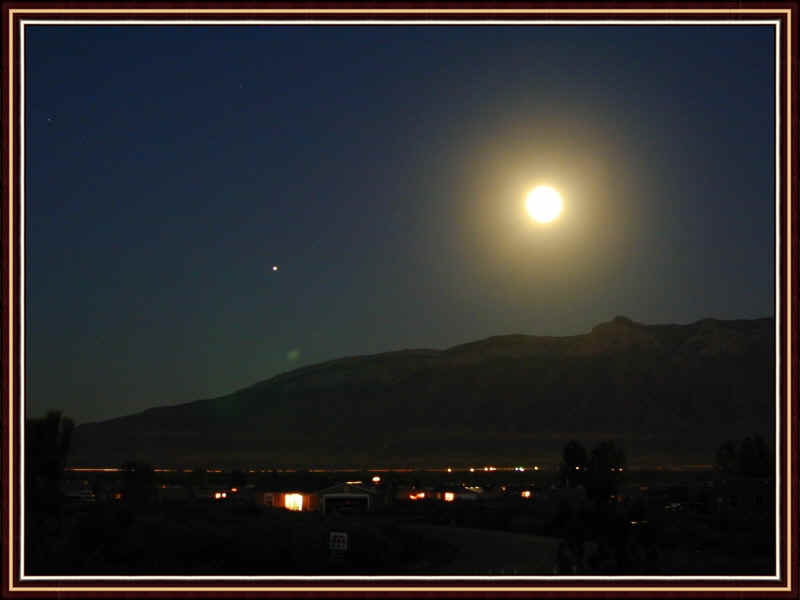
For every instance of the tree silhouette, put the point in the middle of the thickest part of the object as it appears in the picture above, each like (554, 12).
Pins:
(573, 465)
(606, 465)
(748, 458)
(139, 483)
(238, 479)
(727, 459)
(754, 459)
(47, 442)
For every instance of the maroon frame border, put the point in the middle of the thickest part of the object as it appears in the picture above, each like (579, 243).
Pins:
(788, 207)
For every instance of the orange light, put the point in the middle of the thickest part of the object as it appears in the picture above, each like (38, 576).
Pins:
(293, 501)
(536, 468)
(224, 495)
(449, 470)
(526, 494)
(449, 496)
(234, 490)
(471, 470)
(421, 495)
(376, 479)
(412, 496)
(217, 495)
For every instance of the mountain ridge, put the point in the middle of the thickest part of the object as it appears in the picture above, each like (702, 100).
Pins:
(674, 383)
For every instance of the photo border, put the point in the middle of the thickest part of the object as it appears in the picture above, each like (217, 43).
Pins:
(16, 15)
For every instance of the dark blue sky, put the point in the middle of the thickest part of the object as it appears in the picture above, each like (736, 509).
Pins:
(384, 170)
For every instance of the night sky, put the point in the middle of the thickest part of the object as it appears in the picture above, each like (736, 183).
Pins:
(384, 170)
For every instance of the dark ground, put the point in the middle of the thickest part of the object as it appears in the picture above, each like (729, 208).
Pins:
(505, 534)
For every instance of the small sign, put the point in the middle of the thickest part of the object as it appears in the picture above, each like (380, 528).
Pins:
(338, 541)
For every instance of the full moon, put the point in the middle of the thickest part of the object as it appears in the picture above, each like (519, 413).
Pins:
(544, 204)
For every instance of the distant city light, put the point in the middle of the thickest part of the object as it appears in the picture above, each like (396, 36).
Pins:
(536, 468)
(274, 267)
(449, 470)
(526, 494)
(471, 470)
(376, 479)
(234, 490)
(354, 482)
(449, 496)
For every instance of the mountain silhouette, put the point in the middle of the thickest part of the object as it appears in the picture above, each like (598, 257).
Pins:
(670, 394)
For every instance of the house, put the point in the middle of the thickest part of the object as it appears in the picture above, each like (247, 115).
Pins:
(345, 498)
(742, 498)
(78, 491)
(167, 493)
(456, 493)
(205, 493)
(295, 500)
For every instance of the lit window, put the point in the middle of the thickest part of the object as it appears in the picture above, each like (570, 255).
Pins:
(293, 501)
